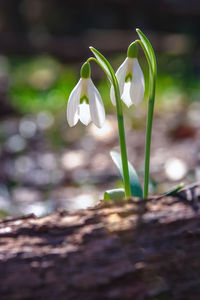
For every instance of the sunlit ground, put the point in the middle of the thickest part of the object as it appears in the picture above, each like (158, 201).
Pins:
(46, 165)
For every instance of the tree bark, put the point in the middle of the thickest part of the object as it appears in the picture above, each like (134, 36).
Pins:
(134, 249)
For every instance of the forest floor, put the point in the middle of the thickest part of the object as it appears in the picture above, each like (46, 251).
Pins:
(45, 165)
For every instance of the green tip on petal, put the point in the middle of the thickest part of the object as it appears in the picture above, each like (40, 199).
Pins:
(132, 51)
(85, 70)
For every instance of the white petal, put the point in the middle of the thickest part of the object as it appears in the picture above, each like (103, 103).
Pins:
(84, 113)
(137, 85)
(120, 74)
(72, 105)
(112, 95)
(96, 105)
(126, 94)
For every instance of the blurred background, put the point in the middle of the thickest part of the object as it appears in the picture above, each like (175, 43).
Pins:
(45, 165)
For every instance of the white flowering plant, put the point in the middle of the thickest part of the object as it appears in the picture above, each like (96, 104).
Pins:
(128, 84)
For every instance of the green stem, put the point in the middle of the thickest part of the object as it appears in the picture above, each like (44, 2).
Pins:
(148, 136)
(120, 118)
(150, 56)
(122, 139)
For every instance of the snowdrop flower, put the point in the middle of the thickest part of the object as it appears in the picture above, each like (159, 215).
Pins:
(85, 103)
(130, 78)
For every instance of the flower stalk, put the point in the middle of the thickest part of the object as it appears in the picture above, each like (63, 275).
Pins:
(105, 65)
(149, 123)
(122, 139)
(150, 56)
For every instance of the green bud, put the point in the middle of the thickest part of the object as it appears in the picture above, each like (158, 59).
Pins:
(85, 70)
(132, 51)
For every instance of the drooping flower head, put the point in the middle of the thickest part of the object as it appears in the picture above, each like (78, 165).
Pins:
(85, 103)
(130, 78)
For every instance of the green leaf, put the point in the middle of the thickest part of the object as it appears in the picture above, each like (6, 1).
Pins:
(174, 190)
(115, 194)
(171, 192)
(136, 189)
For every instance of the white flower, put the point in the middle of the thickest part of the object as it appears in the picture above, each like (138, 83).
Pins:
(85, 104)
(131, 82)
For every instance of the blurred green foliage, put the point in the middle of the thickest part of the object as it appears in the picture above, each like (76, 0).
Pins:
(40, 83)
(43, 83)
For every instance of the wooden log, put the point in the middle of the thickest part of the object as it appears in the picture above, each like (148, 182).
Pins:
(134, 249)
